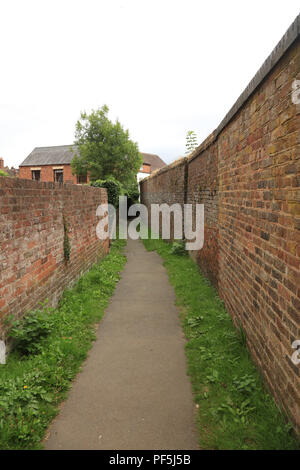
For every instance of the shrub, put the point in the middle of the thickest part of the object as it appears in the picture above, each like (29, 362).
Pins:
(3, 173)
(113, 187)
(132, 193)
(29, 331)
(178, 248)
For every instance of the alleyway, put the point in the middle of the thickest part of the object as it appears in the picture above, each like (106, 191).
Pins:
(133, 391)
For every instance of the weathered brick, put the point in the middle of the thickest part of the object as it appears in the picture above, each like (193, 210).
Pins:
(247, 175)
(33, 266)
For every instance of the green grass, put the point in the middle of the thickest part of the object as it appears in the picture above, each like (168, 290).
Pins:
(32, 385)
(234, 410)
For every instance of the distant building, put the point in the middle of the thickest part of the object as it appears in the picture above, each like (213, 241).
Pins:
(54, 164)
(151, 162)
(10, 171)
(51, 164)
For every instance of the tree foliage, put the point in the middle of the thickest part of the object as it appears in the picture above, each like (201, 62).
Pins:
(105, 149)
(115, 189)
(132, 192)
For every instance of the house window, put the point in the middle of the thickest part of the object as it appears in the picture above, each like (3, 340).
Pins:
(36, 175)
(58, 176)
(81, 179)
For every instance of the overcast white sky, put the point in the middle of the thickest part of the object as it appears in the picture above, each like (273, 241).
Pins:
(162, 66)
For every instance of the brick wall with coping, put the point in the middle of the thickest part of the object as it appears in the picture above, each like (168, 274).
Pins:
(247, 174)
(32, 262)
(166, 186)
(259, 222)
(202, 188)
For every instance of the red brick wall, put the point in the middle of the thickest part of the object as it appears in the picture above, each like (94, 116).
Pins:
(247, 174)
(202, 188)
(47, 173)
(32, 262)
(259, 226)
(166, 186)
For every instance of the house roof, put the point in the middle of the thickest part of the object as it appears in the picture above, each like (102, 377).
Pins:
(154, 160)
(63, 155)
(58, 155)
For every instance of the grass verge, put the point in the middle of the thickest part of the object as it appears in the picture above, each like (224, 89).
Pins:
(32, 386)
(234, 409)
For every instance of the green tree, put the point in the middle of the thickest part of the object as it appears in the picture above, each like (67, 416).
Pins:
(191, 141)
(105, 149)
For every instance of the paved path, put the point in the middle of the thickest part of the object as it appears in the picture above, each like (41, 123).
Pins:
(133, 391)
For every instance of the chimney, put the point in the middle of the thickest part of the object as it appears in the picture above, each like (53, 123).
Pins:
(1, 163)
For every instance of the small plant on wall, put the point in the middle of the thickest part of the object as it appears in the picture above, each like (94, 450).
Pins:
(67, 245)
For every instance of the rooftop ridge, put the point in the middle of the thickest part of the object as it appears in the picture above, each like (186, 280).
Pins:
(53, 146)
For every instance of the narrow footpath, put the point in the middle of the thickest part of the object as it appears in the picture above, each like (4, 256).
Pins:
(133, 391)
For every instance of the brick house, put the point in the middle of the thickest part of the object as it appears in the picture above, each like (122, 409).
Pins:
(51, 164)
(54, 164)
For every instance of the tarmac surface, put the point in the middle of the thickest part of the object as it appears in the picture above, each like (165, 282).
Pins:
(133, 391)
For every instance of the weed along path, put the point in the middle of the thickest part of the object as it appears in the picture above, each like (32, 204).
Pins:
(133, 391)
